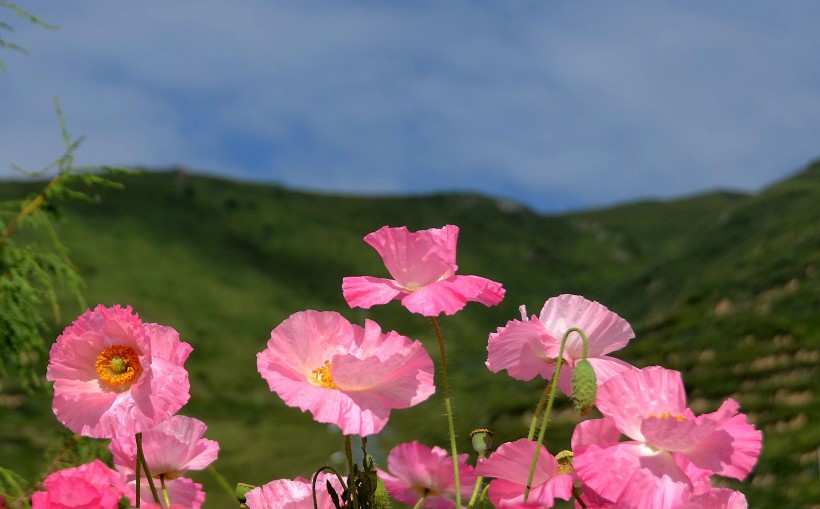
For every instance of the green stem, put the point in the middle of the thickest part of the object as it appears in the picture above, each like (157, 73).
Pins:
(164, 490)
(537, 413)
(478, 483)
(553, 386)
(351, 478)
(141, 459)
(483, 496)
(421, 500)
(576, 493)
(448, 409)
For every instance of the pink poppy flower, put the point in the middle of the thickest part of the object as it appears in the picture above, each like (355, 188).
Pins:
(345, 374)
(182, 492)
(529, 347)
(171, 448)
(296, 494)
(671, 450)
(510, 465)
(423, 266)
(89, 486)
(115, 376)
(417, 470)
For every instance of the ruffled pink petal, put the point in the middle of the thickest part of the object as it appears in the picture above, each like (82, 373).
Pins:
(171, 448)
(518, 348)
(600, 432)
(367, 291)
(634, 394)
(434, 299)
(89, 486)
(632, 474)
(165, 344)
(733, 448)
(510, 465)
(605, 330)
(606, 367)
(419, 258)
(717, 498)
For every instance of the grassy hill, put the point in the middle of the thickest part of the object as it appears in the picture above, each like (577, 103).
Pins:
(722, 286)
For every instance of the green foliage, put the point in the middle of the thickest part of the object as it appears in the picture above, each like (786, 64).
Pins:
(22, 13)
(33, 263)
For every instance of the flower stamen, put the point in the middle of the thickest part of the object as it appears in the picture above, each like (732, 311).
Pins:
(667, 415)
(118, 365)
(321, 377)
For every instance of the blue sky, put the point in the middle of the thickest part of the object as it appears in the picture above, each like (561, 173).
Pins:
(559, 105)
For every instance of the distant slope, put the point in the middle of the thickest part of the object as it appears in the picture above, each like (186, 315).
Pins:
(722, 286)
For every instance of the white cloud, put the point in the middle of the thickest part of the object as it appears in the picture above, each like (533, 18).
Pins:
(597, 102)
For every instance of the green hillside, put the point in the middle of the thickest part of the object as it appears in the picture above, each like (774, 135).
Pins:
(722, 286)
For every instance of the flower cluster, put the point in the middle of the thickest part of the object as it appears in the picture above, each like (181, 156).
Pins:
(116, 377)
(119, 378)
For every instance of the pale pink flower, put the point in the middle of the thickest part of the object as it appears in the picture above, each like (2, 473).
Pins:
(345, 374)
(671, 450)
(295, 494)
(181, 492)
(89, 486)
(529, 347)
(423, 266)
(114, 375)
(171, 448)
(510, 465)
(417, 470)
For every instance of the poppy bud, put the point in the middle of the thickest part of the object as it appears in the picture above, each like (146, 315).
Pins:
(584, 387)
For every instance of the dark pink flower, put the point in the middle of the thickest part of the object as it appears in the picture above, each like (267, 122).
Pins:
(510, 465)
(671, 451)
(529, 347)
(417, 470)
(423, 266)
(115, 376)
(89, 486)
(171, 448)
(345, 374)
(295, 494)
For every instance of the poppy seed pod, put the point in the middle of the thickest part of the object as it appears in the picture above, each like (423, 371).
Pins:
(482, 441)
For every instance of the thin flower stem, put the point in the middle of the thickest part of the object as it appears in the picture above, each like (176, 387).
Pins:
(538, 408)
(449, 410)
(316, 476)
(478, 484)
(483, 496)
(553, 386)
(138, 484)
(164, 490)
(351, 479)
(421, 501)
(141, 459)
(576, 493)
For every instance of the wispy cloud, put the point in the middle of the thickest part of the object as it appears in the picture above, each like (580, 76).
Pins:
(555, 105)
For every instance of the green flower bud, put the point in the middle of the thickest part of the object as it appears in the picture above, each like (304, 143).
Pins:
(241, 490)
(584, 387)
(482, 441)
(383, 500)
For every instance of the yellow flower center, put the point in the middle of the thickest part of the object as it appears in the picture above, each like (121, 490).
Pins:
(118, 365)
(667, 415)
(321, 377)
